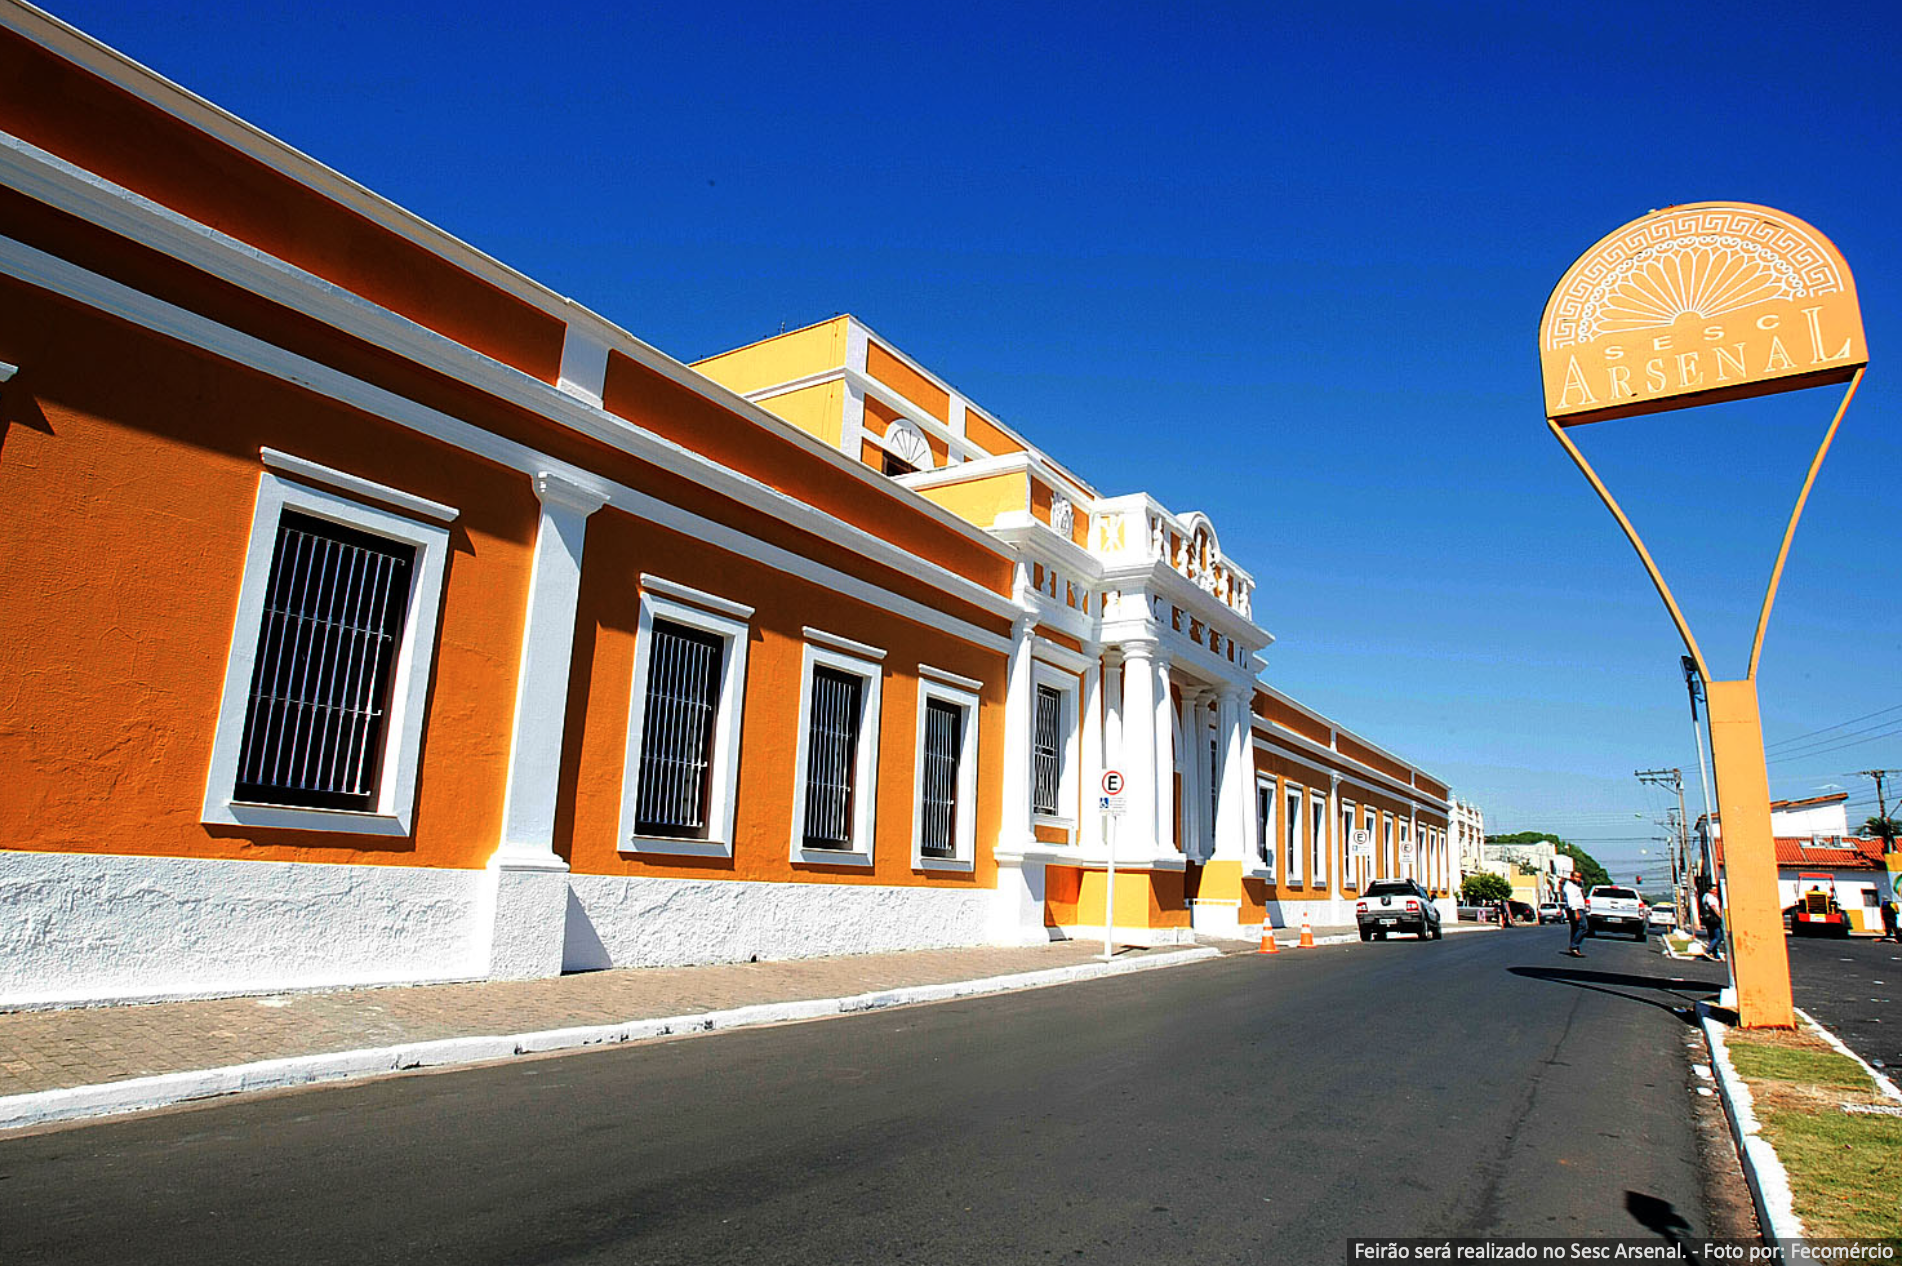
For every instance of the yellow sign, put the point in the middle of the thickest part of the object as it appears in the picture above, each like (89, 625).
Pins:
(1697, 304)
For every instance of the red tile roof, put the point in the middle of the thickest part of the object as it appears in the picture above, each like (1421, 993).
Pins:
(1830, 853)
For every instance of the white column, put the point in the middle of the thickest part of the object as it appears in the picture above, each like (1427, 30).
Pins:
(1415, 870)
(1138, 757)
(1015, 793)
(1233, 784)
(1161, 737)
(1092, 758)
(530, 892)
(1333, 861)
(1247, 784)
(1195, 760)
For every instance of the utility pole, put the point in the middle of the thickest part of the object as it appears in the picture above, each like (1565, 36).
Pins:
(1683, 900)
(1879, 789)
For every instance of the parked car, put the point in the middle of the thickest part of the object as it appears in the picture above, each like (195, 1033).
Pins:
(1397, 905)
(1612, 908)
(1661, 917)
(1550, 912)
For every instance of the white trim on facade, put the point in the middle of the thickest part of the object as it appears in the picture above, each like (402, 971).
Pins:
(396, 498)
(696, 597)
(1066, 683)
(845, 645)
(411, 666)
(37, 268)
(724, 764)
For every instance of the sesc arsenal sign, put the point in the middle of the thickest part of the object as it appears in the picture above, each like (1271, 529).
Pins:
(1697, 304)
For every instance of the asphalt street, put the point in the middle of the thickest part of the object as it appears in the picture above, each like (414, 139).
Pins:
(1851, 987)
(1247, 1109)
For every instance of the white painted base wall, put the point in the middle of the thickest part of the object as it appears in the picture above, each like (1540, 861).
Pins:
(1123, 935)
(634, 922)
(85, 929)
(80, 928)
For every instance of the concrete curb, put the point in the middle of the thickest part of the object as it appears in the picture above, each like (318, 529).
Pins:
(142, 1093)
(1766, 1176)
(1887, 1088)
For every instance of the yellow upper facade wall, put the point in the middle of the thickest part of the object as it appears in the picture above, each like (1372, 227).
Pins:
(981, 501)
(782, 358)
(816, 410)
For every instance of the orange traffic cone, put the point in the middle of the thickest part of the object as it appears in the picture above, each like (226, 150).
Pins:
(1267, 944)
(1306, 941)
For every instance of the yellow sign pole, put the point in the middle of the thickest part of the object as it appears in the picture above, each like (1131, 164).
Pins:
(1616, 342)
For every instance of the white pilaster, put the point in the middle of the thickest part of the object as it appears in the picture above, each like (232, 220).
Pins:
(1092, 759)
(1015, 796)
(1247, 784)
(531, 889)
(1138, 757)
(1196, 819)
(1228, 831)
(1163, 762)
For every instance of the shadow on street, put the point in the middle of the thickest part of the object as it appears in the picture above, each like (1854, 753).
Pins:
(1617, 984)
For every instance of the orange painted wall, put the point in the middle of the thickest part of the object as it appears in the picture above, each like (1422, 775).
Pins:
(1376, 760)
(983, 434)
(620, 549)
(904, 379)
(130, 499)
(635, 392)
(141, 147)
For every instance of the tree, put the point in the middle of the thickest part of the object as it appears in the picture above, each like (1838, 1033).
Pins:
(1881, 828)
(1487, 886)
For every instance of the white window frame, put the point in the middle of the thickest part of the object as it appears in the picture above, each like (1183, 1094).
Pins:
(729, 622)
(1067, 684)
(1389, 847)
(1293, 834)
(1320, 840)
(962, 693)
(856, 659)
(411, 666)
(1370, 825)
(1346, 823)
(1267, 826)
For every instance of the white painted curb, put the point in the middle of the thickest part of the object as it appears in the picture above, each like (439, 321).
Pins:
(1766, 1176)
(1887, 1088)
(141, 1093)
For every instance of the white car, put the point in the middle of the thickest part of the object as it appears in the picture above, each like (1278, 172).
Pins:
(1612, 908)
(1398, 905)
(1661, 917)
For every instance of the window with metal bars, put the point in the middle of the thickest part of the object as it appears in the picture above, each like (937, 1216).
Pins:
(833, 749)
(678, 731)
(1293, 835)
(1214, 781)
(316, 715)
(1045, 751)
(1319, 844)
(1267, 827)
(940, 779)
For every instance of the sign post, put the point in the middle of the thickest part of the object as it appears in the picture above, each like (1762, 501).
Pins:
(1694, 305)
(1111, 809)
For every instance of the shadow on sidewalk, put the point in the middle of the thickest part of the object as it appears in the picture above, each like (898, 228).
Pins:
(1686, 991)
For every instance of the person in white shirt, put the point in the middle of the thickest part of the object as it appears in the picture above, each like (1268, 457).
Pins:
(1576, 907)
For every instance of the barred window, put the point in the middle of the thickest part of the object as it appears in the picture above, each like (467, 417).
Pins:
(833, 739)
(1293, 835)
(1318, 841)
(1267, 827)
(678, 731)
(1214, 780)
(940, 779)
(1045, 751)
(319, 700)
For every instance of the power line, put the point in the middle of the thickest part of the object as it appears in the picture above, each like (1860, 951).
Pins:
(1823, 751)
(1835, 726)
(1835, 738)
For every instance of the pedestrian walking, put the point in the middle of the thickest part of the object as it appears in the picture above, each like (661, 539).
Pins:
(1889, 918)
(1711, 925)
(1575, 905)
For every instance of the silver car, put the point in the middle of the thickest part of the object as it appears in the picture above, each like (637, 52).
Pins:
(1397, 905)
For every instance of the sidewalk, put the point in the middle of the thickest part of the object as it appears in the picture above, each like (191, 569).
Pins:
(56, 1065)
(60, 1065)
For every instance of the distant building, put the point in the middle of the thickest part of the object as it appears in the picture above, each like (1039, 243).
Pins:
(1813, 850)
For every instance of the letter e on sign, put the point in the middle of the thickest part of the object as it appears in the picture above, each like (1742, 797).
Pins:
(1113, 783)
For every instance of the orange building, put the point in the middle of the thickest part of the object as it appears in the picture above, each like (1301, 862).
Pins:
(377, 614)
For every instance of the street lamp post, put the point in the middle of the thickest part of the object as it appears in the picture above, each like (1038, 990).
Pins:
(1775, 310)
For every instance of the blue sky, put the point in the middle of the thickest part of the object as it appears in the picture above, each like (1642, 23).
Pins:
(1280, 264)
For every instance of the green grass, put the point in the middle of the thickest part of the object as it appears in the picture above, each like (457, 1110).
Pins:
(1844, 1169)
(1783, 1063)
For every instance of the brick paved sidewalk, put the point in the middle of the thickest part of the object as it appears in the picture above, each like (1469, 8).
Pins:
(54, 1050)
